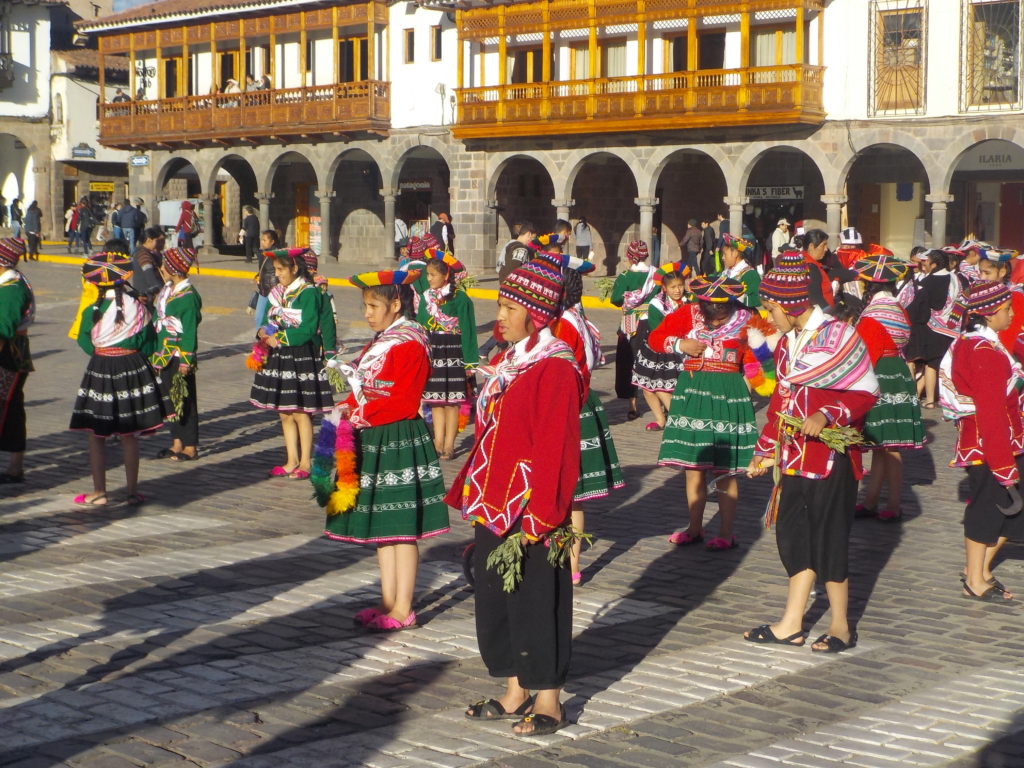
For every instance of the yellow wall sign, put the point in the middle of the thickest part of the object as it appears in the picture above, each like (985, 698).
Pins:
(101, 186)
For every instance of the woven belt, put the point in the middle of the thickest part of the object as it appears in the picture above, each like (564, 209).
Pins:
(114, 351)
(711, 366)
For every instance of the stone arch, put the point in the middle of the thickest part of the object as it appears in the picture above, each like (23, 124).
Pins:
(783, 169)
(422, 144)
(954, 152)
(886, 186)
(986, 190)
(16, 163)
(357, 208)
(293, 183)
(748, 160)
(601, 188)
(522, 187)
(673, 171)
(895, 138)
(421, 178)
(664, 155)
(231, 183)
(291, 155)
(178, 169)
(570, 168)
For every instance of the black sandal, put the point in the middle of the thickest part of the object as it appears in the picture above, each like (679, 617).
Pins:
(491, 709)
(991, 595)
(833, 644)
(543, 725)
(764, 634)
(165, 453)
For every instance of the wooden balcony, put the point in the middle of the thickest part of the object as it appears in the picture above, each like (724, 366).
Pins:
(254, 117)
(675, 101)
(6, 70)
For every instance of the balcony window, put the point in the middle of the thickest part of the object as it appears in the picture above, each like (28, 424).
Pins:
(525, 65)
(991, 54)
(711, 50)
(772, 46)
(675, 53)
(352, 60)
(579, 61)
(898, 57)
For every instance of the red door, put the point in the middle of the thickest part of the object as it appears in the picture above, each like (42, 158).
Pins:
(1011, 217)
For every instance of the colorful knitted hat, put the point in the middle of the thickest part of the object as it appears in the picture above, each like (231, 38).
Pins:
(308, 255)
(788, 284)
(537, 285)
(999, 255)
(984, 298)
(674, 267)
(881, 268)
(637, 251)
(105, 270)
(178, 260)
(719, 290)
(385, 277)
(730, 240)
(11, 249)
(418, 245)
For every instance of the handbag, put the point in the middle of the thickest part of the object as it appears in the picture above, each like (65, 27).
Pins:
(254, 299)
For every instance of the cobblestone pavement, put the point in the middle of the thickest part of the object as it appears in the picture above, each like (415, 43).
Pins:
(213, 625)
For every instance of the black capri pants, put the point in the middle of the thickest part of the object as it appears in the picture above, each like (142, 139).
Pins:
(983, 522)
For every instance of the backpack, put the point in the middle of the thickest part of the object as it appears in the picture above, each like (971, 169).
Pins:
(502, 250)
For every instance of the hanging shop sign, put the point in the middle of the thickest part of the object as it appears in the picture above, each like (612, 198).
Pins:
(783, 192)
(83, 150)
(416, 184)
(993, 156)
(138, 161)
(101, 186)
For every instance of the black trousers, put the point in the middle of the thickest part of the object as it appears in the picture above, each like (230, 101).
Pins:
(525, 634)
(13, 423)
(186, 428)
(624, 357)
(983, 522)
(815, 518)
(252, 247)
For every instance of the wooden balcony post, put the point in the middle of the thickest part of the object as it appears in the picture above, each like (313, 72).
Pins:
(302, 49)
(545, 65)
(183, 82)
(821, 36)
(591, 58)
(131, 71)
(214, 74)
(103, 83)
(371, 48)
(160, 92)
(460, 60)
(240, 61)
(272, 64)
(499, 108)
(743, 100)
(641, 63)
(336, 56)
(801, 30)
(691, 43)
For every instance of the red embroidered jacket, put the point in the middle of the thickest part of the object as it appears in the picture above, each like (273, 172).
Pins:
(525, 461)
(994, 434)
(392, 386)
(877, 339)
(841, 360)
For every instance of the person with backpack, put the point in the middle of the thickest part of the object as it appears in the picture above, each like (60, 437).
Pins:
(131, 222)
(188, 225)
(516, 251)
(86, 222)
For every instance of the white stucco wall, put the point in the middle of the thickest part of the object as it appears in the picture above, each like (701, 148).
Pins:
(414, 100)
(29, 96)
(79, 124)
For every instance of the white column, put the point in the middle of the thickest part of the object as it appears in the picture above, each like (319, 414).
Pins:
(833, 217)
(736, 205)
(562, 208)
(939, 203)
(646, 206)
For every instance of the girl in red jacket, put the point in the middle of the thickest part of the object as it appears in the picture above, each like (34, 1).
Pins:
(519, 479)
(824, 377)
(979, 387)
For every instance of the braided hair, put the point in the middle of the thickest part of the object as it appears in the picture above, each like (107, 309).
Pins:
(572, 288)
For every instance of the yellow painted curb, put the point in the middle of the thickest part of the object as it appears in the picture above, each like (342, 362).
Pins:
(590, 302)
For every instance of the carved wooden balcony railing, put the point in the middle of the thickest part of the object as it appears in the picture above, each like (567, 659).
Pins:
(6, 70)
(673, 101)
(251, 117)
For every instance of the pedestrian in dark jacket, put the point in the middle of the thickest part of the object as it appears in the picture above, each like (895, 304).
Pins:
(33, 224)
(86, 222)
(146, 261)
(443, 231)
(250, 233)
(132, 223)
(691, 245)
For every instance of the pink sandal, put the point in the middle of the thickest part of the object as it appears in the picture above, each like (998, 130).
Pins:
(577, 577)
(654, 427)
(384, 623)
(719, 544)
(279, 472)
(298, 474)
(890, 515)
(365, 616)
(683, 538)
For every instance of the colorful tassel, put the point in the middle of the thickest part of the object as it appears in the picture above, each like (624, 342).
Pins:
(771, 513)
(465, 409)
(334, 473)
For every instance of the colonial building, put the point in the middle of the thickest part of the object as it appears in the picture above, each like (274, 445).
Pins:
(897, 116)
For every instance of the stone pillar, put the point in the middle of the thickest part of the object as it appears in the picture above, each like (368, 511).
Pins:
(646, 206)
(562, 208)
(325, 197)
(496, 235)
(209, 249)
(388, 239)
(263, 198)
(736, 205)
(833, 217)
(939, 203)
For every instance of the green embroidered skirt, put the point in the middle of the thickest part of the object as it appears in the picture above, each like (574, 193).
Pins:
(401, 489)
(600, 472)
(895, 420)
(710, 423)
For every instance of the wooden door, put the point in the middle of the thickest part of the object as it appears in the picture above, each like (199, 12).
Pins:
(1011, 216)
(869, 213)
(301, 215)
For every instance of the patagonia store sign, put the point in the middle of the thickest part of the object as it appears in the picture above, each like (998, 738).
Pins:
(993, 156)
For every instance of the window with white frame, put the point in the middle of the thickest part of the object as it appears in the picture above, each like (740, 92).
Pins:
(991, 55)
(897, 57)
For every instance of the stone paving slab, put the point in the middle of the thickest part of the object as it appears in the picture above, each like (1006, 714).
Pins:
(212, 626)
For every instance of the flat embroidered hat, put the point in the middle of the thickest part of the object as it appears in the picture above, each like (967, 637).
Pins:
(742, 245)
(719, 290)
(385, 277)
(674, 267)
(107, 269)
(881, 268)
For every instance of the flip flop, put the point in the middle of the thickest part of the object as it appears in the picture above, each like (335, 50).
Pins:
(278, 472)
(577, 577)
(889, 515)
(135, 500)
(384, 623)
(165, 453)
(298, 474)
(764, 635)
(654, 427)
(991, 595)
(491, 709)
(542, 724)
(833, 644)
(184, 457)
(365, 616)
(83, 500)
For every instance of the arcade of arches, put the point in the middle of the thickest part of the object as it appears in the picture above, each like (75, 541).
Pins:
(899, 188)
